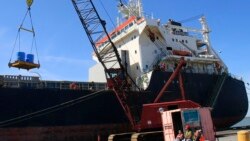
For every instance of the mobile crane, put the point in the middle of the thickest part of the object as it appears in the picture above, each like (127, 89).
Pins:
(117, 76)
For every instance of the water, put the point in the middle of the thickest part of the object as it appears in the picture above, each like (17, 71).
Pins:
(231, 135)
(244, 122)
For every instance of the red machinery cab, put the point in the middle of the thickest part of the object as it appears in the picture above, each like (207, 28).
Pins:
(116, 77)
(197, 118)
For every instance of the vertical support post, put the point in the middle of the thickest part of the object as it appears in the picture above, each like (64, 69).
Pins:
(182, 87)
(172, 77)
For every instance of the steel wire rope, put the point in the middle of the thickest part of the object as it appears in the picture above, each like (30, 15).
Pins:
(36, 51)
(49, 110)
(34, 38)
(18, 36)
(246, 85)
(191, 18)
(33, 31)
(14, 46)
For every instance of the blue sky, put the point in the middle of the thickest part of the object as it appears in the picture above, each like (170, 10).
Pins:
(65, 52)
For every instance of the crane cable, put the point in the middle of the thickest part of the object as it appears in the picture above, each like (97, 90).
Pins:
(50, 109)
(191, 18)
(18, 36)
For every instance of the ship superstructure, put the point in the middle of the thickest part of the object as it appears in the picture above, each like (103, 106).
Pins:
(146, 44)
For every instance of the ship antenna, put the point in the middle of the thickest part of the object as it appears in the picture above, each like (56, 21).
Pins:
(132, 8)
(140, 8)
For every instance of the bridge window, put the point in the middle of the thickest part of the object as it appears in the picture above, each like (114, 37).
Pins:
(131, 24)
(126, 27)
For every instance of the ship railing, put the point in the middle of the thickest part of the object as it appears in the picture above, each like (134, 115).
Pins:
(78, 85)
(8, 78)
(14, 81)
(235, 76)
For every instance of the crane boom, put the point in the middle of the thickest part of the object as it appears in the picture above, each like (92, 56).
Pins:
(108, 56)
(95, 29)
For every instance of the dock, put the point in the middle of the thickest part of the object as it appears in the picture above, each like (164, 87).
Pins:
(229, 135)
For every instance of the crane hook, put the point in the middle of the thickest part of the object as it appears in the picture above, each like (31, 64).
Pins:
(29, 3)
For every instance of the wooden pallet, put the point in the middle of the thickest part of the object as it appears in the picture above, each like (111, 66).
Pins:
(24, 65)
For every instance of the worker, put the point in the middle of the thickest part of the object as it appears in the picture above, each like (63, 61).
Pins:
(163, 66)
(188, 133)
(197, 135)
(73, 86)
(179, 136)
(202, 138)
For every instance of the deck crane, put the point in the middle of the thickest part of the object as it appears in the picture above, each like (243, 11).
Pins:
(117, 76)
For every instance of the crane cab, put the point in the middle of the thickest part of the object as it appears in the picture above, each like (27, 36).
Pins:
(115, 77)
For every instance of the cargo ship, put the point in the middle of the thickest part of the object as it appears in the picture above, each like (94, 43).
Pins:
(39, 110)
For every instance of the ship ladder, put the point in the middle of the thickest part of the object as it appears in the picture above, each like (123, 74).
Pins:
(25, 61)
(217, 89)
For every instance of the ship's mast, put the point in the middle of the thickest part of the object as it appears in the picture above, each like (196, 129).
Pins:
(132, 8)
(140, 8)
(205, 34)
(206, 39)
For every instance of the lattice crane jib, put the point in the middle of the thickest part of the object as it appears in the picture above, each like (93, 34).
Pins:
(95, 29)
(117, 77)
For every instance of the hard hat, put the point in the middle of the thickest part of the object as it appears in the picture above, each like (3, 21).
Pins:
(187, 126)
(29, 3)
